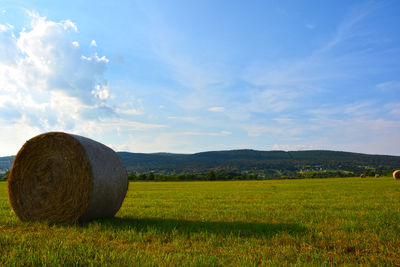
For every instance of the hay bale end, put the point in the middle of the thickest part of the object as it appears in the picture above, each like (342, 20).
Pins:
(64, 178)
(396, 174)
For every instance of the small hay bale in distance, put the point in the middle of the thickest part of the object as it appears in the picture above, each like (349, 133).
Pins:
(64, 178)
(396, 174)
(362, 175)
(377, 175)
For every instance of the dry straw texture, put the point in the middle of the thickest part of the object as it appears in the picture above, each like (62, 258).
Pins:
(396, 174)
(63, 178)
(362, 176)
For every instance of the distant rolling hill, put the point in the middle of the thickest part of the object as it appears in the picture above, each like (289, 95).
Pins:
(257, 161)
(5, 163)
(250, 161)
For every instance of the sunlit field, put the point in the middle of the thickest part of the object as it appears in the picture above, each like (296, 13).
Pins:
(279, 222)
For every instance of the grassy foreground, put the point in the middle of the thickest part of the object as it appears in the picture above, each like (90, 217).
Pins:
(349, 221)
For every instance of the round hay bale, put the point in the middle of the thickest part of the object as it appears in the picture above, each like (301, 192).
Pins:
(362, 175)
(377, 175)
(396, 174)
(64, 178)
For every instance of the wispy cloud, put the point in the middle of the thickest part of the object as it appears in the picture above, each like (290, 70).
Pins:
(295, 100)
(311, 74)
(255, 130)
(180, 142)
(185, 118)
(193, 87)
(389, 86)
(132, 107)
(294, 147)
(310, 26)
(221, 133)
(348, 28)
(216, 109)
(393, 109)
(198, 79)
(127, 126)
(275, 100)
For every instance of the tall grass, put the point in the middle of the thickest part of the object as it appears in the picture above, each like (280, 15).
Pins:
(283, 222)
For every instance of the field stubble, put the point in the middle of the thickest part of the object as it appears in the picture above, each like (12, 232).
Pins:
(281, 222)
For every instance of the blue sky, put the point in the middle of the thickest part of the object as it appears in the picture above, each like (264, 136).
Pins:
(190, 76)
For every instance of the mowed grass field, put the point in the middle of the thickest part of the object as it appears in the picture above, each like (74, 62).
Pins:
(348, 221)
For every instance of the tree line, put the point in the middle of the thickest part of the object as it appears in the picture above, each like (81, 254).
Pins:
(4, 177)
(229, 176)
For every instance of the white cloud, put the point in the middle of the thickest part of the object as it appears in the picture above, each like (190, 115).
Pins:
(101, 92)
(7, 43)
(13, 136)
(216, 109)
(45, 59)
(93, 43)
(48, 84)
(48, 60)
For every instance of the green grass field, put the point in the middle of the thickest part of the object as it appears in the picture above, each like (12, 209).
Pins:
(282, 222)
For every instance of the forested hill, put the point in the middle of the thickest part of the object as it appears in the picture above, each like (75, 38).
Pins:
(6, 163)
(267, 162)
(270, 163)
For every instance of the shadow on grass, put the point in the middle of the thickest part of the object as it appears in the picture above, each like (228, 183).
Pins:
(243, 229)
